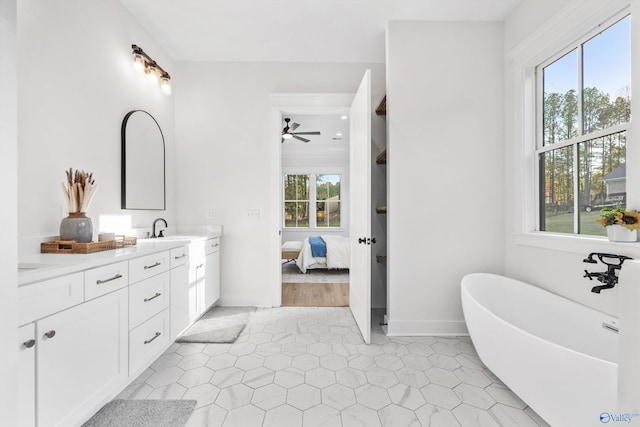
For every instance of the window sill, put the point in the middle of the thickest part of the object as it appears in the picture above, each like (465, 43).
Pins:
(575, 244)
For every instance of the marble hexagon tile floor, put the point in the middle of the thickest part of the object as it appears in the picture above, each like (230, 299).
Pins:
(309, 367)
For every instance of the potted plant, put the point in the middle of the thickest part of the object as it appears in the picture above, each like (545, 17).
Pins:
(622, 225)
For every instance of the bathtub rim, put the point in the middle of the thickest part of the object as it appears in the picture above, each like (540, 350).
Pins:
(465, 291)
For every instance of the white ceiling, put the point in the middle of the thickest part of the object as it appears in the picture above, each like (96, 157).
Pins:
(328, 125)
(350, 31)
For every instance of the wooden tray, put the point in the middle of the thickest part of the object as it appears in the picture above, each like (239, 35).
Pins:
(73, 247)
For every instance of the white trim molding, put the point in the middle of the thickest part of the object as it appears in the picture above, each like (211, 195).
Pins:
(422, 328)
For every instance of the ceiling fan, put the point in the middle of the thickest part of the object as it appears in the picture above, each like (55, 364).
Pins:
(288, 132)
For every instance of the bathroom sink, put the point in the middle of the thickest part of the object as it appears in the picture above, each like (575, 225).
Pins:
(169, 239)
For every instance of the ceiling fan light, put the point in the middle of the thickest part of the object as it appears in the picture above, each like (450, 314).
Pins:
(287, 136)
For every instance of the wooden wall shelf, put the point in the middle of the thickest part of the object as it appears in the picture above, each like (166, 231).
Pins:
(381, 109)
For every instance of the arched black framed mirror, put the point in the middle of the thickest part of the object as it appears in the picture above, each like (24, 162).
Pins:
(143, 162)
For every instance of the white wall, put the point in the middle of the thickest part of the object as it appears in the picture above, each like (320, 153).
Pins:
(445, 168)
(223, 132)
(76, 83)
(550, 262)
(9, 212)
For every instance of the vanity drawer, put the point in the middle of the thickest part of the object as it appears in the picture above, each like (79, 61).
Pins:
(148, 341)
(147, 266)
(148, 298)
(212, 245)
(42, 299)
(179, 256)
(103, 280)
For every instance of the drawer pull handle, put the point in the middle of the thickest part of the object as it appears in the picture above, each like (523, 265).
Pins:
(153, 297)
(216, 245)
(116, 277)
(146, 267)
(180, 257)
(29, 343)
(50, 334)
(154, 337)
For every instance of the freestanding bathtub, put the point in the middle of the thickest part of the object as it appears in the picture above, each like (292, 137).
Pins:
(558, 356)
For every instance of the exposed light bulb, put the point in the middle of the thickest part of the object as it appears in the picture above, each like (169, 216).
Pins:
(138, 63)
(152, 74)
(165, 85)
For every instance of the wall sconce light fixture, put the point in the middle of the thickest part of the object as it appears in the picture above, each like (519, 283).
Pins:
(143, 63)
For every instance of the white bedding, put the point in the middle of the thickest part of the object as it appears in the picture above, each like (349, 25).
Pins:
(338, 254)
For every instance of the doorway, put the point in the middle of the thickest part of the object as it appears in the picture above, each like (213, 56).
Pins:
(358, 108)
(315, 212)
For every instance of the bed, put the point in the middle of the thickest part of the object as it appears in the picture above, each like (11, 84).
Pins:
(338, 254)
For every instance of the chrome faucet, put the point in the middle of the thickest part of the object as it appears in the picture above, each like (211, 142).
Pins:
(153, 228)
(609, 277)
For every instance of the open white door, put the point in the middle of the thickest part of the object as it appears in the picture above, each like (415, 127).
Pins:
(360, 220)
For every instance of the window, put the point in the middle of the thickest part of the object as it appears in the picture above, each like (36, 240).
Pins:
(328, 201)
(296, 200)
(585, 114)
(324, 198)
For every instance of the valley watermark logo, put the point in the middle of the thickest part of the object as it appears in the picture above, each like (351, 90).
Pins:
(624, 417)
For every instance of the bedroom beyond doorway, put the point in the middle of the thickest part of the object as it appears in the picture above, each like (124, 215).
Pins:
(316, 288)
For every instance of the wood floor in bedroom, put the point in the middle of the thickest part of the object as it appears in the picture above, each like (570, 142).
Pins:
(315, 294)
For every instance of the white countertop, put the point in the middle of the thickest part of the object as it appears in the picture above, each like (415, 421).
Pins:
(38, 267)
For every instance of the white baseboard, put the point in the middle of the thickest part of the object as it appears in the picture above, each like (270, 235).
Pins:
(244, 301)
(417, 328)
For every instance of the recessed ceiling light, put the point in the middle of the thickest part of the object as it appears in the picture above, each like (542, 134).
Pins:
(344, 117)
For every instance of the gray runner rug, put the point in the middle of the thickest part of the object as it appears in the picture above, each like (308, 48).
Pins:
(218, 325)
(143, 413)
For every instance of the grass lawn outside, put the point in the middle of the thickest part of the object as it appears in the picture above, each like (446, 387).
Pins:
(563, 223)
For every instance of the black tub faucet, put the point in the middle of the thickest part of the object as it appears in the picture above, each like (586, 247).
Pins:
(609, 277)
(153, 228)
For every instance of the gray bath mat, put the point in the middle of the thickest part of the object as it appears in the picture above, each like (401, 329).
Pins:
(218, 325)
(143, 413)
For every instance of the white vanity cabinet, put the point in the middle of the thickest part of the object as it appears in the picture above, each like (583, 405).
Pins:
(81, 358)
(179, 291)
(27, 375)
(211, 272)
(149, 312)
(204, 276)
(86, 333)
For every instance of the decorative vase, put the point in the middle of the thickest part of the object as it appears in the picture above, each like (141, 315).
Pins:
(77, 226)
(618, 233)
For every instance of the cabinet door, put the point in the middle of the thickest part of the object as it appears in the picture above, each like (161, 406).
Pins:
(196, 280)
(82, 358)
(179, 300)
(27, 376)
(212, 279)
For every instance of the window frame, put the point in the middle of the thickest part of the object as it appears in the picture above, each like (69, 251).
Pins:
(313, 172)
(582, 137)
(297, 200)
